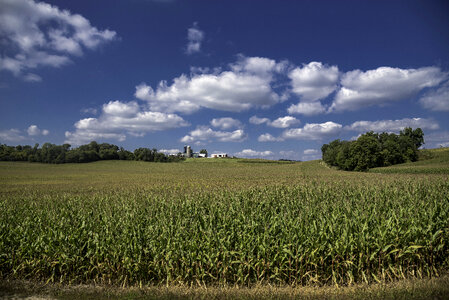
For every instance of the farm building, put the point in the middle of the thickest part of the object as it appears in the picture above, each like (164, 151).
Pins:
(188, 152)
(219, 155)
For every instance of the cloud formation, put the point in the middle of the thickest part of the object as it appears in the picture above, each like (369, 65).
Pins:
(313, 131)
(253, 153)
(39, 34)
(437, 100)
(307, 108)
(314, 81)
(310, 151)
(282, 122)
(207, 134)
(226, 123)
(33, 130)
(392, 125)
(266, 137)
(11, 135)
(194, 36)
(119, 119)
(246, 86)
(383, 85)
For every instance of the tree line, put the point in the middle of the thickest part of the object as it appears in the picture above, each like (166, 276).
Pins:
(372, 150)
(58, 154)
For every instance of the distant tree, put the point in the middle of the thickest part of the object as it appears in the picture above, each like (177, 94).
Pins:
(125, 154)
(372, 150)
(50, 153)
(203, 151)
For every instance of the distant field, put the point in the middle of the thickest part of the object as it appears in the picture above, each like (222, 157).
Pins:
(435, 161)
(223, 222)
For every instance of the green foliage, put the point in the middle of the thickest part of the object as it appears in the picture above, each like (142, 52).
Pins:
(58, 154)
(203, 151)
(128, 222)
(373, 150)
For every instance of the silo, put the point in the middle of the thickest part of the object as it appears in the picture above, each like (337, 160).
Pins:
(189, 151)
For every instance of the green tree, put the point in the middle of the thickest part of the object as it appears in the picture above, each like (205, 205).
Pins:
(417, 135)
(203, 151)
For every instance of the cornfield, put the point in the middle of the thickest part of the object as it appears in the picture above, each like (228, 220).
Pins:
(134, 223)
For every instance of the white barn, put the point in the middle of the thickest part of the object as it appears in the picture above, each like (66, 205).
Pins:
(219, 155)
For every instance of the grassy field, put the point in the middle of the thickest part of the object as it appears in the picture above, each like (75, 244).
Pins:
(212, 222)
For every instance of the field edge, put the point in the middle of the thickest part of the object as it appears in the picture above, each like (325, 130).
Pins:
(425, 288)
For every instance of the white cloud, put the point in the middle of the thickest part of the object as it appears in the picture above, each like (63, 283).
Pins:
(266, 137)
(310, 151)
(437, 100)
(226, 123)
(313, 131)
(194, 36)
(206, 134)
(392, 125)
(282, 122)
(307, 108)
(40, 34)
(119, 119)
(170, 151)
(314, 81)
(33, 130)
(11, 135)
(245, 87)
(257, 121)
(383, 85)
(260, 66)
(253, 153)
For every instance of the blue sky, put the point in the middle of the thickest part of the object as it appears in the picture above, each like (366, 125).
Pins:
(271, 79)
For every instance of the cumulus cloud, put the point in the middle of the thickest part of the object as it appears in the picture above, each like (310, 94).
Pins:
(310, 151)
(258, 121)
(383, 85)
(246, 86)
(207, 134)
(266, 137)
(194, 36)
(119, 119)
(437, 100)
(11, 135)
(39, 34)
(392, 125)
(253, 153)
(307, 108)
(226, 123)
(258, 65)
(313, 131)
(282, 122)
(314, 81)
(33, 130)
